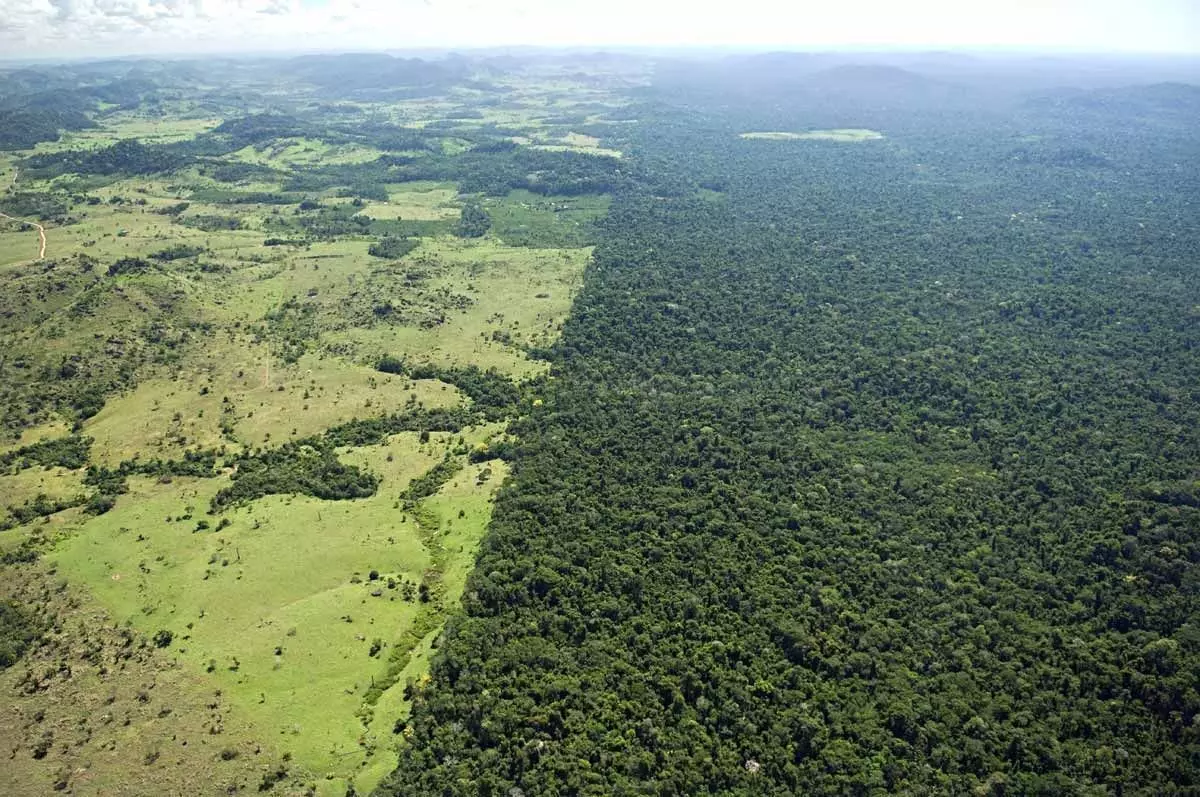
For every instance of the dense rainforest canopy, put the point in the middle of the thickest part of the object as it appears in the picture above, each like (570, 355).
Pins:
(867, 467)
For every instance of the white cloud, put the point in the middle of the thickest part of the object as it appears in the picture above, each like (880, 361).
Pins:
(87, 27)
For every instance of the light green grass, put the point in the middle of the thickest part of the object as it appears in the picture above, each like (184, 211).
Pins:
(320, 271)
(109, 232)
(25, 485)
(56, 427)
(526, 219)
(285, 576)
(148, 130)
(417, 202)
(18, 247)
(843, 134)
(293, 571)
(111, 235)
(288, 152)
(575, 142)
(597, 151)
(463, 508)
(520, 297)
(108, 718)
(163, 417)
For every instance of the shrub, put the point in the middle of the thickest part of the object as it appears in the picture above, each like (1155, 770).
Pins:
(392, 247)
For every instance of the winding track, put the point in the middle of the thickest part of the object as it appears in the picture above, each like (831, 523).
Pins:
(41, 230)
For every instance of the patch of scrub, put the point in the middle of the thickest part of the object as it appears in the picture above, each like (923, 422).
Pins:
(55, 427)
(25, 486)
(842, 134)
(251, 401)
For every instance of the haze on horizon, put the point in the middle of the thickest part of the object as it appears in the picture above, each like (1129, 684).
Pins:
(88, 28)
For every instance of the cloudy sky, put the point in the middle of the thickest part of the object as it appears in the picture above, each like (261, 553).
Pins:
(67, 28)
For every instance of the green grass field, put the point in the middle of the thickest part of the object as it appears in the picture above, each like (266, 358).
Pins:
(145, 128)
(123, 719)
(54, 484)
(519, 297)
(288, 152)
(523, 218)
(845, 135)
(279, 609)
(418, 201)
(163, 417)
(33, 434)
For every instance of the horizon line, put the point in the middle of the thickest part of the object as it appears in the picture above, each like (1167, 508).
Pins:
(617, 49)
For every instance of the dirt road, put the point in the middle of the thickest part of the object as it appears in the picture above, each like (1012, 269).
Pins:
(41, 233)
(41, 230)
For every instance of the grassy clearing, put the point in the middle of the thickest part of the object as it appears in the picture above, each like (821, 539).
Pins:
(520, 297)
(56, 427)
(843, 134)
(163, 417)
(537, 138)
(125, 224)
(124, 718)
(575, 142)
(526, 219)
(8, 170)
(26, 485)
(289, 152)
(109, 234)
(147, 129)
(17, 246)
(597, 151)
(320, 271)
(279, 609)
(417, 202)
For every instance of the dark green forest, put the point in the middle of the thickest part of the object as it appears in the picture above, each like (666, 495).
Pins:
(866, 468)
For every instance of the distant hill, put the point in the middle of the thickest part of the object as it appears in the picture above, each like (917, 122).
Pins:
(862, 77)
(821, 80)
(1156, 97)
(1155, 103)
(372, 72)
(879, 83)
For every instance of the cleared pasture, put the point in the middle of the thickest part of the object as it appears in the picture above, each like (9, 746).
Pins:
(279, 608)
(845, 135)
(519, 296)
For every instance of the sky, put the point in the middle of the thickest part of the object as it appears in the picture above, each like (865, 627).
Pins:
(86, 28)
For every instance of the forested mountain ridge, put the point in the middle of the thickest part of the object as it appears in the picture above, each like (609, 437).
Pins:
(868, 468)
